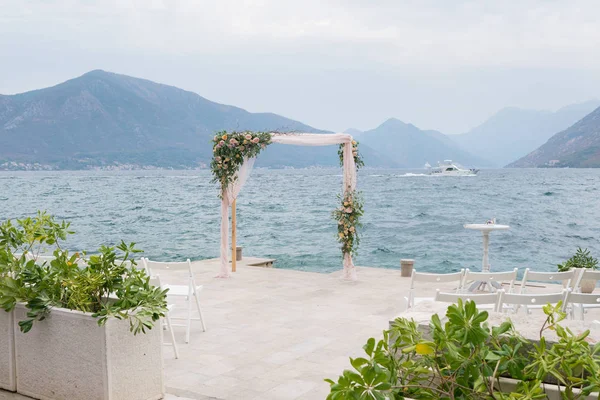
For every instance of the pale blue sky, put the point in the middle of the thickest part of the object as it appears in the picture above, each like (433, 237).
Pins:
(333, 64)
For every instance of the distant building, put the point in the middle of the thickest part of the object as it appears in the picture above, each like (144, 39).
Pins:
(552, 163)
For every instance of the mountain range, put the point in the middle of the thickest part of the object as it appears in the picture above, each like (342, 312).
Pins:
(103, 119)
(576, 147)
(513, 132)
(412, 147)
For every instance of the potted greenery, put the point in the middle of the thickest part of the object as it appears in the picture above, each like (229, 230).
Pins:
(581, 259)
(77, 324)
(464, 358)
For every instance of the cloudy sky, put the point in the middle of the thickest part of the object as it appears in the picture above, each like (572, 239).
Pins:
(333, 64)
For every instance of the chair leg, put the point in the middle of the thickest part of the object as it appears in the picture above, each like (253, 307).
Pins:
(199, 311)
(577, 312)
(189, 322)
(407, 301)
(168, 318)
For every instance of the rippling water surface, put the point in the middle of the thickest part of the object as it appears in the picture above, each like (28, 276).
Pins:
(285, 214)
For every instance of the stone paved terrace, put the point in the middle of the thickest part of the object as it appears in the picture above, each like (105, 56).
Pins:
(276, 334)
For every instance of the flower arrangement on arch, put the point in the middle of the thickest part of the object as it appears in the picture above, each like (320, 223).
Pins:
(357, 157)
(230, 150)
(348, 218)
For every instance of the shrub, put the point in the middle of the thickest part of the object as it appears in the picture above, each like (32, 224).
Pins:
(465, 358)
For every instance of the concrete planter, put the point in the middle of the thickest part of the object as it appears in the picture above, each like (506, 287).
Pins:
(7, 351)
(68, 356)
(588, 285)
(553, 392)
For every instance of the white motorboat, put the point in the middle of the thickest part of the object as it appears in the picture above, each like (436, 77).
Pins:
(449, 168)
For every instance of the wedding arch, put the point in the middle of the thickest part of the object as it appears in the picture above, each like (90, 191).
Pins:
(234, 154)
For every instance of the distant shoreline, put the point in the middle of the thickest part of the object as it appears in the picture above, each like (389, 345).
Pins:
(48, 168)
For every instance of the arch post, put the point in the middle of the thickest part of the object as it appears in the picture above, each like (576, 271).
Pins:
(233, 238)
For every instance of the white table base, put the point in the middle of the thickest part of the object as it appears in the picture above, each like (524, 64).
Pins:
(485, 262)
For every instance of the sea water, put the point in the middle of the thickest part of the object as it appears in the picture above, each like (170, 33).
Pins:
(286, 214)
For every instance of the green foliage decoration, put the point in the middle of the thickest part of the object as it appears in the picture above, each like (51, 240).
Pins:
(355, 153)
(465, 358)
(230, 150)
(348, 218)
(581, 259)
(106, 284)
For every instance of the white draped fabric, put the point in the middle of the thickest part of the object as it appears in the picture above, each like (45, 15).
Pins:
(299, 139)
(232, 192)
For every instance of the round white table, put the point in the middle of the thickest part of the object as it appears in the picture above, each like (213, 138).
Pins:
(485, 267)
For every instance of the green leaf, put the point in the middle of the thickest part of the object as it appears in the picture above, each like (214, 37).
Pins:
(482, 316)
(425, 348)
(357, 363)
(369, 346)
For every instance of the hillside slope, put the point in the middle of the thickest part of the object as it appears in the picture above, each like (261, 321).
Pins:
(512, 132)
(577, 146)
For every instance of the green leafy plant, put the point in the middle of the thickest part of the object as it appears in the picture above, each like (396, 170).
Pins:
(106, 284)
(465, 358)
(229, 152)
(572, 361)
(581, 259)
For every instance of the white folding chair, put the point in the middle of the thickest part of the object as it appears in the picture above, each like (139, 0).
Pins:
(566, 278)
(492, 279)
(45, 258)
(483, 300)
(40, 258)
(581, 302)
(166, 323)
(188, 291)
(140, 264)
(431, 279)
(527, 300)
(586, 274)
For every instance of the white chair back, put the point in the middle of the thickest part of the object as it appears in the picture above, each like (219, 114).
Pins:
(525, 299)
(40, 259)
(126, 263)
(585, 274)
(478, 298)
(584, 298)
(566, 277)
(432, 278)
(435, 278)
(155, 267)
(45, 258)
(499, 277)
(580, 302)
(155, 281)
